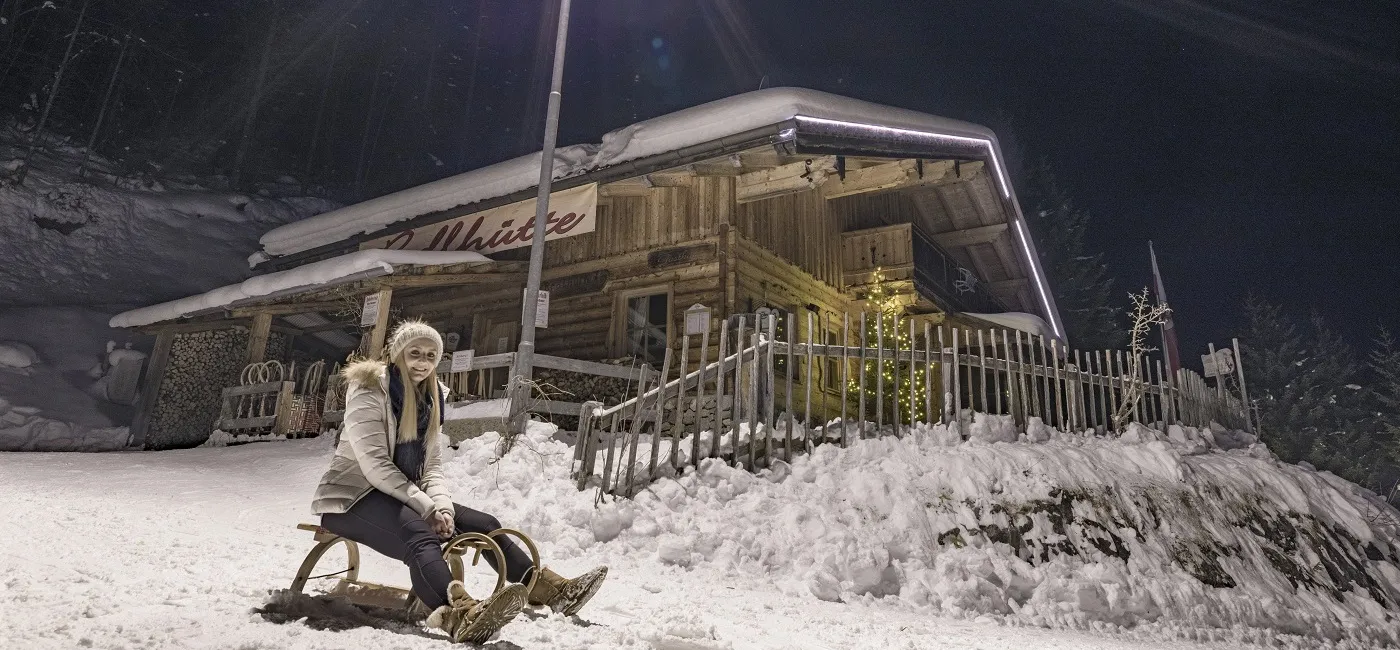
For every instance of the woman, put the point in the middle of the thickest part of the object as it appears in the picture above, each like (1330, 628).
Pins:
(385, 490)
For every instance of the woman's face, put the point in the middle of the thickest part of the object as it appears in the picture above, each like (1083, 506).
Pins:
(421, 359)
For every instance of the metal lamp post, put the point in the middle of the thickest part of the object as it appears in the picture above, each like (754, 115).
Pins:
(525, 354)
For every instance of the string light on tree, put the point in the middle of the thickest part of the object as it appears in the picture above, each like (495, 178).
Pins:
(889, 319)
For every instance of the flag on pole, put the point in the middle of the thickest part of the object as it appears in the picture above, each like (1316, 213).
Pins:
(1169, 349)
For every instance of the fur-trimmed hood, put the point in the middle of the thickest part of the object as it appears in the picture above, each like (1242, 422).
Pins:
(366, 372)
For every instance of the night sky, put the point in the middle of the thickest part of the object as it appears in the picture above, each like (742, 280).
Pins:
(1257, 143)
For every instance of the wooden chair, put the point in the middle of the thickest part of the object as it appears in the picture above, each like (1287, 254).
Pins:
(370, 594)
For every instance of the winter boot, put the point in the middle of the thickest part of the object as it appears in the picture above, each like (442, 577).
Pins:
(468, 620)
(564, 595)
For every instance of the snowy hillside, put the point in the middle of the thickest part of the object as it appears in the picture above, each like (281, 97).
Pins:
(77, 250)
(916, 543)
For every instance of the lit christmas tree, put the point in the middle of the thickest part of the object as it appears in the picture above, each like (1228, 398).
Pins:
(888, 318)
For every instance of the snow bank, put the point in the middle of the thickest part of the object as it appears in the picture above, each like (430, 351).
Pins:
(1177, 532)
(323, 273)
(14, 354)
(56, 402)
(692, 126)
(192, 540)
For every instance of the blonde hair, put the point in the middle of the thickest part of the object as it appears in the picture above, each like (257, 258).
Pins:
(408, 418)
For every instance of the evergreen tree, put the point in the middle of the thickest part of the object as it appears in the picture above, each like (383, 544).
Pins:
(1081, 281)
(1307, 387)
(887, 312)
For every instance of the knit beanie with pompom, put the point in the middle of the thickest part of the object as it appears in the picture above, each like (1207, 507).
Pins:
(409, 331)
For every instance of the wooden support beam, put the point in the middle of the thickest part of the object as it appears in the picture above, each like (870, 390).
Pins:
(285, 309)
(1008, 287)
(257, 338)
(791, 178)
(150, 389)
(448, 279)
(969, 236)
(198, 326)
(891, 176)
(381, 325)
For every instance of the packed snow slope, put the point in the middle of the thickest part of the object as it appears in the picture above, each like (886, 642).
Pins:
(1149, 541)
(78, 249)
(108, 239)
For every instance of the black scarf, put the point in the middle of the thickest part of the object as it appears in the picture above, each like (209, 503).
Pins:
(410, 456)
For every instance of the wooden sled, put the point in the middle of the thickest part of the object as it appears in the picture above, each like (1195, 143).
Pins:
(369, 594)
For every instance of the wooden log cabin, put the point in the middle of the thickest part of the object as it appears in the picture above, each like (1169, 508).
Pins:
(781, 199)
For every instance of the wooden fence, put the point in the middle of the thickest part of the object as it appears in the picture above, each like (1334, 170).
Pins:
(759, 400)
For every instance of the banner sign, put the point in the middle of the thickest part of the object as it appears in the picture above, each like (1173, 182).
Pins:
(571, 212)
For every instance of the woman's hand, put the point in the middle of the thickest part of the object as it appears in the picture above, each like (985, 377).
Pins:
(443, 523)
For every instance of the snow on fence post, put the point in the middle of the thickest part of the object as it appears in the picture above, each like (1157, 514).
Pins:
(1244, 392)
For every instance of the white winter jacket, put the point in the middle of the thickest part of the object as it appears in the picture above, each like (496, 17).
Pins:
(364, 458)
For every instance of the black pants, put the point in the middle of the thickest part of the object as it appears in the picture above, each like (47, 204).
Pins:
(391, 528)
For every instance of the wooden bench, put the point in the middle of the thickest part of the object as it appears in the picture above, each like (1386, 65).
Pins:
(371, 594)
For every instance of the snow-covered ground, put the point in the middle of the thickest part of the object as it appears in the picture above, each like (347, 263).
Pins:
(841, 550)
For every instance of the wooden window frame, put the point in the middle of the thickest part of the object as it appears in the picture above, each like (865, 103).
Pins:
(619, 317)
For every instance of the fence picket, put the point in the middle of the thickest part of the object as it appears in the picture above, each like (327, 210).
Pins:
(913, 392)
(717, 431)
(751, 407)
(996, 371)
(679, 426)
(656, 436)
(738, 391)
(700, 399)
(928, 373)
(845, 378)
(810, 378)
(957, 382)
(879, 372)
(864, 371)
(787, 399)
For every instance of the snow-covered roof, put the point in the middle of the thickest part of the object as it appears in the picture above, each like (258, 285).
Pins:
(1028, 323)
(337, 270)
(685, 128)
(808, 109)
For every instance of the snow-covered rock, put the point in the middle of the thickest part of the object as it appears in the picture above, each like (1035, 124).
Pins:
(14, 354)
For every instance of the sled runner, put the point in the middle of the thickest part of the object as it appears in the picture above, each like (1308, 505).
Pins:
(369, 594)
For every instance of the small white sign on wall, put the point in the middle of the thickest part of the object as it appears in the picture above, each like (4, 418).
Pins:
(462, 360)
(370, 314)
(697, 320)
